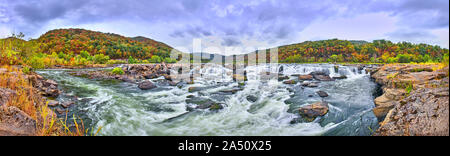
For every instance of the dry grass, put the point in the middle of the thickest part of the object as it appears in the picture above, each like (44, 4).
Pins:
(29, 101)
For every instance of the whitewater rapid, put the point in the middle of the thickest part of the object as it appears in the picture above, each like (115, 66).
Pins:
(121, 108)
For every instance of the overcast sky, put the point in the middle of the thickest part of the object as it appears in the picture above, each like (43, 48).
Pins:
(243, 23)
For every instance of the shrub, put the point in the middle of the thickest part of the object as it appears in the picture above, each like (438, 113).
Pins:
(403, 58)
(170, 60)
(26, 69)
(116, 62)
(85, 54)
(100, 59)
(155, 59)
(36, 63)
(131, 60)
(118, 71)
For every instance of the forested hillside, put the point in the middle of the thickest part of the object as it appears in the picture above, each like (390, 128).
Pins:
(78, 47)
(378, 51)
(113, 45)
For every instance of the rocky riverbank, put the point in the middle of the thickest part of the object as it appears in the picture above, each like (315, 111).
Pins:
(22, 102)
(415, 100)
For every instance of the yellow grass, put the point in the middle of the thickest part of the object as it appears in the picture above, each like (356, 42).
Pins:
(27, 100)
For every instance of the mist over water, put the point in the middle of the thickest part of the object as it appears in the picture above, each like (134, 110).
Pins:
(121, 108)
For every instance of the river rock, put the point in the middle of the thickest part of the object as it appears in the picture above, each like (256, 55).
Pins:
(322, 93)
(232, 91)
(150, 76)
(322, 77)
(314, 110)
(290, 82)
(340, 77)
(50, 84)
(60, 111)
(146, 85)
(282, 78)
(310, 84)
(204, 103)
(252, 98)
(67, 104)
(53, 103)
(305, 77)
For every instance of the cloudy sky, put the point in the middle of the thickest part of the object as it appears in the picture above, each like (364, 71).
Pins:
(236, 23)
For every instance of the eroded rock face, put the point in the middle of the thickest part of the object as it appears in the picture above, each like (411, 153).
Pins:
(424, 112)
(14, 122)
(6, 95)
(414, 101)
(48, 88)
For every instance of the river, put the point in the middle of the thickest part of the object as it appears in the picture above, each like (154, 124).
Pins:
(121, 108)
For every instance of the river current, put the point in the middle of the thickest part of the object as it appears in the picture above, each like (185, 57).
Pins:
(121, 108)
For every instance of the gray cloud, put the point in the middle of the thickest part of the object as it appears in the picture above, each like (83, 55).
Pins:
(411, 34)
(264, 20)
(229, 41)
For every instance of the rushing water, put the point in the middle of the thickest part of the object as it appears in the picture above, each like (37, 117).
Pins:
(121, 108)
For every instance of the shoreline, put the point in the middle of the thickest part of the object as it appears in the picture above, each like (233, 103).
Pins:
(396, 96)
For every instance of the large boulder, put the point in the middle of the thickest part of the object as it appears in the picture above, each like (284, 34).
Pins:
(146, 85)
(314, 110)
(203, 103)
(321, 76)
(14, 122)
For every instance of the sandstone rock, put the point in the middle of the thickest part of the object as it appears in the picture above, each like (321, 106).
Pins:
(305, 77)
(422, 113)
(322, 77)
(14, 122)
(290, 82)
(314, 110)
(146, 85)
(423, 110)
(310, 84)
(67, 104)
(53, 103)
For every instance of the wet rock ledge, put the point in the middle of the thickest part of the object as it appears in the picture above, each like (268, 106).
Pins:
(415, 100)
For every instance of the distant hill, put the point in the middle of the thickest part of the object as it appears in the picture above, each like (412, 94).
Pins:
(113, 45)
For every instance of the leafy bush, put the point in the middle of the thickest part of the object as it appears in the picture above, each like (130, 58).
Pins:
(100, 59)
(170, 60)
(116, 62)
(26, 69)
(85, 54)
(36, 63)
(118, 71)
(403, 58)
(155, 59)
(445, 59)
(131, 60)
